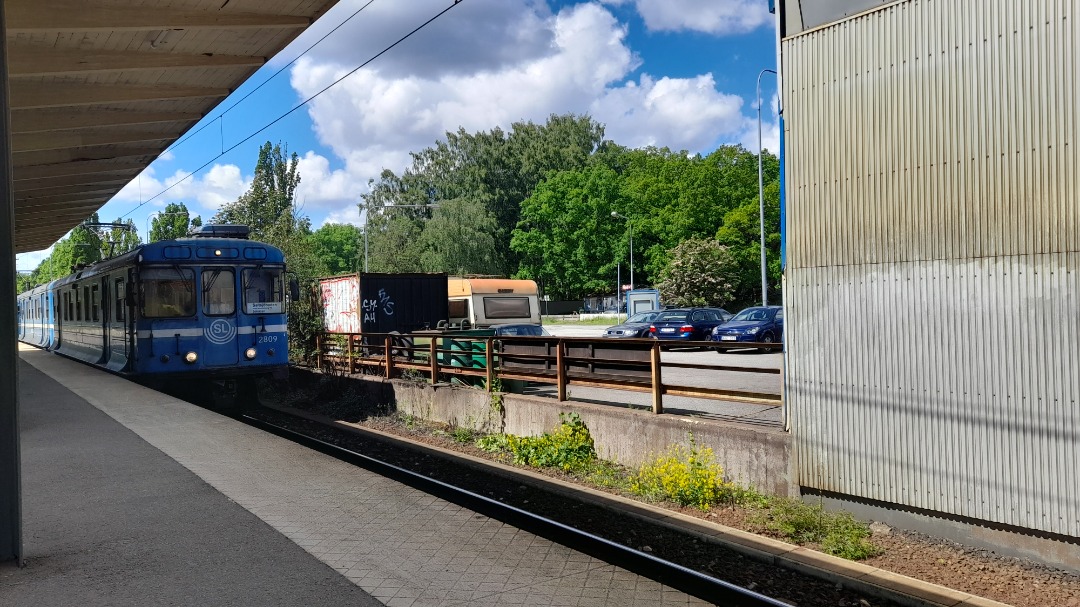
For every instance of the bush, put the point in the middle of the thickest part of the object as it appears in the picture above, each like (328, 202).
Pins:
(569, 448)
(687, 476)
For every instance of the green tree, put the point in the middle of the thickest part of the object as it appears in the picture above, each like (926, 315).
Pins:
(493, 170)
(173, 222)
(567, 239)
(740, 232)
(119, 237)
(459, 239)
(268, 209)
(86, 243)
(338, 247)
(701, 273)
(268, 205)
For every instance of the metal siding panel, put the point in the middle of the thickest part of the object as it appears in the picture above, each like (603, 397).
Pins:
(932, 274)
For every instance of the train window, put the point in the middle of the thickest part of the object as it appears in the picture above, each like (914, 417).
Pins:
(119, 309)
(67, 305)
(78, 303)
(167, 292)
(218, 291)
(264, 290)
(86, 303)
(95, 302)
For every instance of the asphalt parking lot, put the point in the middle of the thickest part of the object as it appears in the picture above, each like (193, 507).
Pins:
(728, 380)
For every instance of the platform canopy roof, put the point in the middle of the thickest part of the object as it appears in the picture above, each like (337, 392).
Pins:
(99, 88)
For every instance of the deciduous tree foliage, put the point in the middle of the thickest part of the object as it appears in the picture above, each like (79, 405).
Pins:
(268, 205)
(669, 197)
(485, 176)
(173, 222)
(701, 272)
(268, 209)
(338, 247)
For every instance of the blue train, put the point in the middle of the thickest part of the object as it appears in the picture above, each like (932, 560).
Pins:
(211, 305)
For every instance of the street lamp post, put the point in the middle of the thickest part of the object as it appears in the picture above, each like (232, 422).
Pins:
(761, 194)
(631, 226)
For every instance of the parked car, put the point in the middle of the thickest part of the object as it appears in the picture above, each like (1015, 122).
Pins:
(519, 330)
(635, 326)
(763, 324)
(687, 324)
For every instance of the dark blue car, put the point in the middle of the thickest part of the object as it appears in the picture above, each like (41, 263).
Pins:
(761, 324)
(687, 324)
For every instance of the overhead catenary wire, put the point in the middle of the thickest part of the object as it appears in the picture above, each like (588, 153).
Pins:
(296, 107)
(219, 117)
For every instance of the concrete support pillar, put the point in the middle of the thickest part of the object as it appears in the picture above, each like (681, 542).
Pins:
(10, 484)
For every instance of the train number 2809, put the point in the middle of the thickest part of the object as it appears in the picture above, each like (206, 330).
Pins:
(267, 339)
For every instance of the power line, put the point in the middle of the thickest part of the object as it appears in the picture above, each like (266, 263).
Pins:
(265, 82)
(298, 106)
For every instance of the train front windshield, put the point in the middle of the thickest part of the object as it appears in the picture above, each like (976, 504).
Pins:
(167, 292)
(264, 290)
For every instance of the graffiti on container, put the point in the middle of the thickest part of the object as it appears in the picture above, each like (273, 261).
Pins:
(371, 307)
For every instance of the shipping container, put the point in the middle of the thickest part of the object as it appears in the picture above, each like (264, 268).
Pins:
(383, 303)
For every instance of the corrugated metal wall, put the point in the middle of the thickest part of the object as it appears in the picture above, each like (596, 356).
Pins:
(933, 276)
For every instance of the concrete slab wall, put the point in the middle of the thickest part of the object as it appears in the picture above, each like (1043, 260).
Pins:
(761, 458)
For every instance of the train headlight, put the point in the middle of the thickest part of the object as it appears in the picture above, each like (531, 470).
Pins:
(191, 357)
(250, 353)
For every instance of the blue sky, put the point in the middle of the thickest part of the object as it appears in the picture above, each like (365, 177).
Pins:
(675, 73)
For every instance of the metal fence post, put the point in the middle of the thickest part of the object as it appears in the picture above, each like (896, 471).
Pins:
(388, 354)
(560, 373)
(433, 360)
(489, 361)
(349, 353)
(657, 383)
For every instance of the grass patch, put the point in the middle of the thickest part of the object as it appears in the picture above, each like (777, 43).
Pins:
(838, 533)
(687, 475)
(603, 321)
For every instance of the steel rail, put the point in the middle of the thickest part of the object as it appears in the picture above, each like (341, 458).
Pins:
(646, 565)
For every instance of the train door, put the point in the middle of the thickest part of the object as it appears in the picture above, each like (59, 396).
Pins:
(101, 317)
(219, 311)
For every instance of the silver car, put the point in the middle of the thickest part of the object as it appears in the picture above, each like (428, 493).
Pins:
(635, 326)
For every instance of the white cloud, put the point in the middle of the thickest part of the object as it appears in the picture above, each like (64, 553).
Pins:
(28, 261)
(374, 117)
(347, 215)
(680, 113)
(203, 193)
(770, 129)
(472, 36)
(485, 64)
(718, 17)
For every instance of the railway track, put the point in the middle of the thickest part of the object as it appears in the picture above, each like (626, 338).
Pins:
(678, 560)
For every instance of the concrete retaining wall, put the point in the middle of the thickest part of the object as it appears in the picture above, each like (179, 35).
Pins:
(761, 458)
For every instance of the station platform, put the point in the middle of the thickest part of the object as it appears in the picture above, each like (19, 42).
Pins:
(132, 497)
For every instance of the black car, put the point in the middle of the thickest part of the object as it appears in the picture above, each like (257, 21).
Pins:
(635, 326)
(687, 324)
